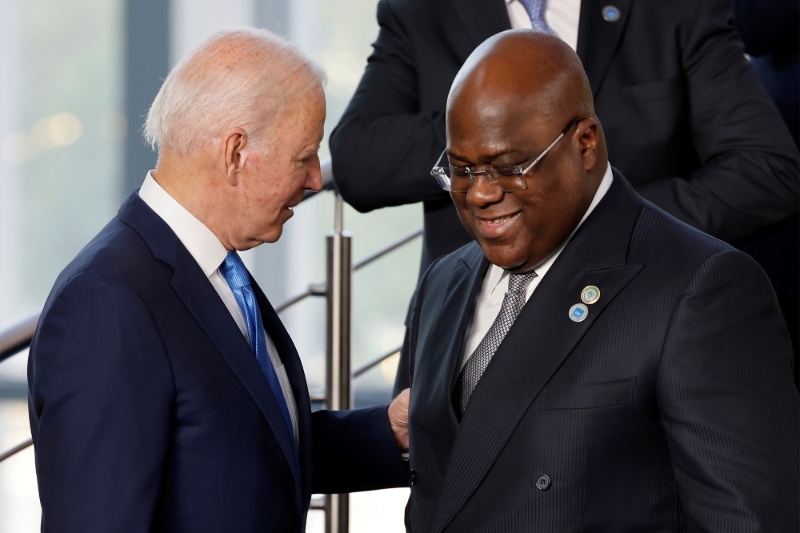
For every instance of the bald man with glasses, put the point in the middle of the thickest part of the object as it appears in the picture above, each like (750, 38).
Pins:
(589, 363)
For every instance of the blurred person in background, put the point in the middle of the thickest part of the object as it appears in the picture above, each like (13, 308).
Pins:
(164, 392)
(686, 120)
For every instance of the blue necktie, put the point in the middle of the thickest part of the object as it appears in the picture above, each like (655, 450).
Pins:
(535, 9)
(235, 273)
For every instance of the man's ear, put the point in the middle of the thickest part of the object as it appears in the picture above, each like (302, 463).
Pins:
(588, 139)
(235, 141)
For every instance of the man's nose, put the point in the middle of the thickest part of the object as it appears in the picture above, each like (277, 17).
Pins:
(314, 176)
(483, 191)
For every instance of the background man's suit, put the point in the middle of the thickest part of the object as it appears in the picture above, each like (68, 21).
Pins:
(149, 411)
(669, 408)
(685, 118)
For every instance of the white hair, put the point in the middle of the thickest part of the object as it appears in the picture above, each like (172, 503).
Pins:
(210, 91)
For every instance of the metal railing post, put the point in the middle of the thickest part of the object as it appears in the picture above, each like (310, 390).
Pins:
(338, 391)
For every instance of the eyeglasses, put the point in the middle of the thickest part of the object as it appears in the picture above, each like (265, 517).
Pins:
(506, 178)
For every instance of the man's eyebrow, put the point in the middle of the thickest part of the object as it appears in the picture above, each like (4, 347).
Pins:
(489, 157)
(309, 151)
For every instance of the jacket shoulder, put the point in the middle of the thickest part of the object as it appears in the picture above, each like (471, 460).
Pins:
(116, 252)
(470, 255)
(660, 238)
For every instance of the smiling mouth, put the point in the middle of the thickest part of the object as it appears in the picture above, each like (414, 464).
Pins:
(495, 227)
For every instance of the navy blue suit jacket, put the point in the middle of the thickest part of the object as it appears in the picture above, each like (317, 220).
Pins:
(669, 408)
(149, 411)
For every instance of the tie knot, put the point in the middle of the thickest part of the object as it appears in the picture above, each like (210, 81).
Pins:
(519, 282)
(234, 271)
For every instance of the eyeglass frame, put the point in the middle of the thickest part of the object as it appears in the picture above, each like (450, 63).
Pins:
(439, 170)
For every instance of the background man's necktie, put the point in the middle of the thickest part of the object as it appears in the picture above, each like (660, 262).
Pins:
(513, 303)
(535, 9)
(235, 273)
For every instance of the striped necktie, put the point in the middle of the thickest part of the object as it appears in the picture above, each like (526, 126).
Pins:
(535, 9)
(513, 302)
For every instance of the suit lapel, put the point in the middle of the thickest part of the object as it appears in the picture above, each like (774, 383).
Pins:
(212, 315)
(475, 21)
(598, 38)
(297, 379)
(442, 360)
(205, 305)
(540, 340)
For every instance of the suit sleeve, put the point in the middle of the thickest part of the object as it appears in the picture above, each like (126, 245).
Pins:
(100, 391)
(405, 366)
(384, 147)
(728, 404)
(355, 451)
(749, 174)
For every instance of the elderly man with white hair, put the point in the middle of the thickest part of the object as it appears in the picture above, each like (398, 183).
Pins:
(165, 394)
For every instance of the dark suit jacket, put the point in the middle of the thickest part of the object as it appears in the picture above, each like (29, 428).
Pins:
(685, 117)
(149, 411)
(670, 408)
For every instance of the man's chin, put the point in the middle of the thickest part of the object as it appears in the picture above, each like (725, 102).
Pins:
(503, 256)
(273, 236)
(268, 237)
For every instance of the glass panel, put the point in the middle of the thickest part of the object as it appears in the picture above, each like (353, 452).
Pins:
(61, 129)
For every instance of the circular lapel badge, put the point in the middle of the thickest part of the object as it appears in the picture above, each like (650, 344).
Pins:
(578, 313)
(590, 294)
(611, 13)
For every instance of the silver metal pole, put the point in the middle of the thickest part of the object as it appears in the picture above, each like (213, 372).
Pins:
(339, 268)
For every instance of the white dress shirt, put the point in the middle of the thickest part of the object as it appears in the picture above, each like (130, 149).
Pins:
(495, 282)
(562, 16)
(209, 253)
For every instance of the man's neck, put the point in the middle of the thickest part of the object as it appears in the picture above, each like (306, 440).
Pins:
(187, 179)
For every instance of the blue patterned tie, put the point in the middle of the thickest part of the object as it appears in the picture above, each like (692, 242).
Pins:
(535, 9)
(235, 273)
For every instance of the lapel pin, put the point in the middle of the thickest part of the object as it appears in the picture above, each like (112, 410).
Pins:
(611, 13)
(590, 294)
(578, 313)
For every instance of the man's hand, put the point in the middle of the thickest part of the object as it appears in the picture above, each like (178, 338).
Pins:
(398, 419)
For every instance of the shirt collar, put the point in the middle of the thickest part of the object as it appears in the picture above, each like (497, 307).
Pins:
(201, 242)
(497, 274)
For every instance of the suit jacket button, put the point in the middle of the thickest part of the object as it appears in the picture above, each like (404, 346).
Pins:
(543, 482)
(413, 477)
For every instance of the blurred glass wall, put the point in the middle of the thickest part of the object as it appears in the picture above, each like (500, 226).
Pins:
(67, 77)
(61, 133)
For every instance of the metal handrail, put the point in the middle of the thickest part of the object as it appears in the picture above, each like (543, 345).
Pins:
(15, 450)
(319, 289)
(18, 337)
(313, 290)
(358, 372)
(387, 249)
